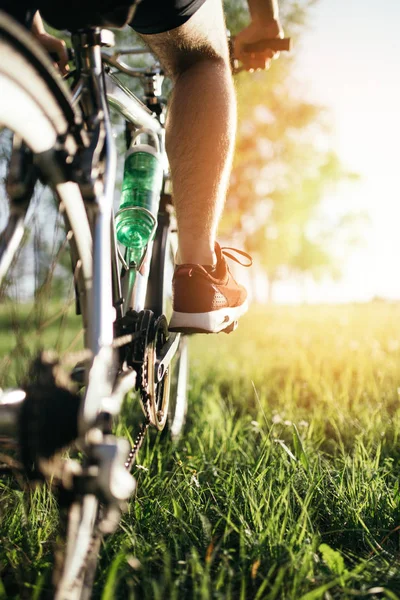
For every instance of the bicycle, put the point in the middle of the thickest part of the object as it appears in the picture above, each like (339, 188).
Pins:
(133, 345)
(66, 139)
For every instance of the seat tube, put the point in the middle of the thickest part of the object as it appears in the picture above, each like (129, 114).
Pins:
(104, 311)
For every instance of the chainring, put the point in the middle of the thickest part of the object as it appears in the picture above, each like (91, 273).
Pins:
(158, 393)
(150, 334)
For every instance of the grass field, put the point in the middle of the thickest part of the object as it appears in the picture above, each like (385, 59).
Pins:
(285, 485)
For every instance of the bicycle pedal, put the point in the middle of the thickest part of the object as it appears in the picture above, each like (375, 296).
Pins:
(230, 327)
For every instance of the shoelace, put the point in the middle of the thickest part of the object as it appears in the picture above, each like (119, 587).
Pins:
(241, 252)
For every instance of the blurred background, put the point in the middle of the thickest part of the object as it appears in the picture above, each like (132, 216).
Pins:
(315, 189)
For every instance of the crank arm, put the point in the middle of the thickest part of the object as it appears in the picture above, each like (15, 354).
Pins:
(166, 355)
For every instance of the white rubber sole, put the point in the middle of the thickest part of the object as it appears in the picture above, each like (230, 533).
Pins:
(207, 322)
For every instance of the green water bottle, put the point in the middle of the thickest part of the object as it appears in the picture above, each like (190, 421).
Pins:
(141, 187)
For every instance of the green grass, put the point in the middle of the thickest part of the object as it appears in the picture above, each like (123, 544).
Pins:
(27, 329)
(285, 485)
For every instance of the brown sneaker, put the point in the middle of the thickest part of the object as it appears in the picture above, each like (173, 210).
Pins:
(208, 300)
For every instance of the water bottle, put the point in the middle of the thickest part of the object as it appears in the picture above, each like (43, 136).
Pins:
(141, 187)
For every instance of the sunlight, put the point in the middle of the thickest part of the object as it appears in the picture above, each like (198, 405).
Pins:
(359, 85)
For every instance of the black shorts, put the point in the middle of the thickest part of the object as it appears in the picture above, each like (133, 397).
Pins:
(152, 16)
(158, 16)
(22, 11)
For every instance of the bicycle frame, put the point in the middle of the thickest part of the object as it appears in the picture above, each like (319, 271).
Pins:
(106, 387)
(87, 198)
(94, 88)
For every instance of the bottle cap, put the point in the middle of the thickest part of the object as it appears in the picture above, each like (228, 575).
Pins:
(143, 148)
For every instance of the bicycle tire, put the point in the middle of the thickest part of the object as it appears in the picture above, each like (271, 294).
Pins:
(159, 300)
(35, 106)
(33, 109)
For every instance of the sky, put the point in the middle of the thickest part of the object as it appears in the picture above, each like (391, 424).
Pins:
(349, 61)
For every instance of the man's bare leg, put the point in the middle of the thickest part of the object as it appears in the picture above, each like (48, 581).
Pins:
(201, 126)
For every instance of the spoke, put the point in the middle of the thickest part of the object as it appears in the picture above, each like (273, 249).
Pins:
(58, 315)
(78, 337)
(38, 294)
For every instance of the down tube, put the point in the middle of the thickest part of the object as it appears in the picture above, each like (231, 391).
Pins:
(103, 369)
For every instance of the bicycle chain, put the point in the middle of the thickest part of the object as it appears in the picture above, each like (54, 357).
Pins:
(144, 387)
(144, 393)
(137, 443)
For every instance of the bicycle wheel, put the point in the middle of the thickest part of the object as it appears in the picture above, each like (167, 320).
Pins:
(159, 300)
(37, 292)
(44, 266)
